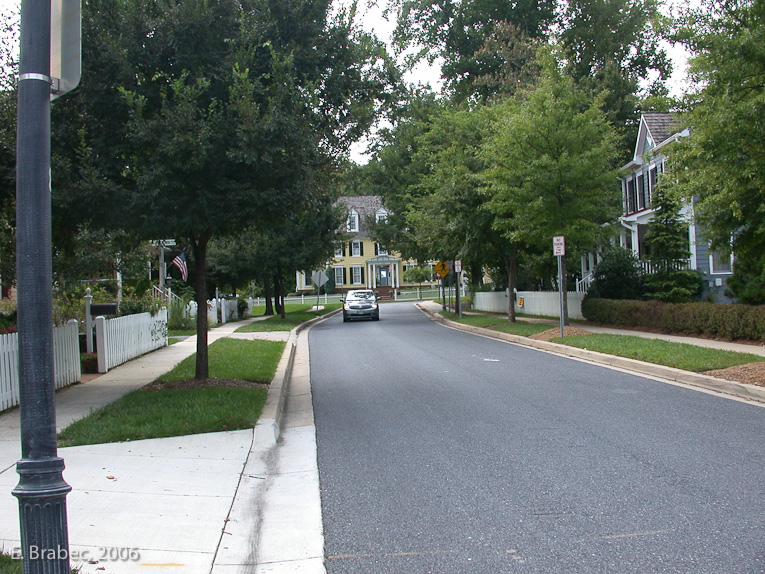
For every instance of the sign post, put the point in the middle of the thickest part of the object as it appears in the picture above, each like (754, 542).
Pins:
(319, 278)
(559, 250)
(457, 273)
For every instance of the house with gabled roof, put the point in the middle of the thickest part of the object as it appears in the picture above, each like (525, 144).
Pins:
(642, 174)
(360, 262)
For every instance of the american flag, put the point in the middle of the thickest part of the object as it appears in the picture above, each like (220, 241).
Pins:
(180, 263)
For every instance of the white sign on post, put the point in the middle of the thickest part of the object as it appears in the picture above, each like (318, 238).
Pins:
(559, 245)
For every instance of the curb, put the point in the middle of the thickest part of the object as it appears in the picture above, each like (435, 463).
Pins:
(707, 382)
(269, 423)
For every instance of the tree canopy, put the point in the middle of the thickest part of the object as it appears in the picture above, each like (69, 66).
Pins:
(199, 118)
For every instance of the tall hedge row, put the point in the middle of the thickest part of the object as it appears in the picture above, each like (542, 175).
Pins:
(708, 319)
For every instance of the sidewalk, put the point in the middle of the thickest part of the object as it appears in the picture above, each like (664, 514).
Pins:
(190, 504)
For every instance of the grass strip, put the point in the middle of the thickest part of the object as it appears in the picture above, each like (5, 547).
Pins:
(144, 414)
(668, 353)
(498, 323)
(296, 314)
(234, 359)
(165, 413)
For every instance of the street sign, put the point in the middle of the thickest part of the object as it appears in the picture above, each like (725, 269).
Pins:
(559, 245)
(65, 50)
(319, 277)
(442, 268)
(458, 266)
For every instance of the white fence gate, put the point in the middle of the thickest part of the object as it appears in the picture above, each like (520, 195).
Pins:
(123, 338)
(66, 362)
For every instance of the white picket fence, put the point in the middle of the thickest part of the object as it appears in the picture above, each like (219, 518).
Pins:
(66, 362)
(123, 338)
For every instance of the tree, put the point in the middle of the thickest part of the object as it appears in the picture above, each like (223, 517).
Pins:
(197, 119)
(456, 31)
(667, 237)
(552, 167)
(722, 164)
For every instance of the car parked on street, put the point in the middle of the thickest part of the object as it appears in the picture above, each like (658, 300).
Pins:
(360, 304)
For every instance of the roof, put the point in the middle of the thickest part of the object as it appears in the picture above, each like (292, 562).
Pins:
(661, 125)
(366, 206)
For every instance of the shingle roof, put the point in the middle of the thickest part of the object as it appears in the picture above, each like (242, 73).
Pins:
(661, 125)
(366, 206)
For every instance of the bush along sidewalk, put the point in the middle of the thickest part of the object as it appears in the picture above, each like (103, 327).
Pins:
(731, 322)
(176, 404)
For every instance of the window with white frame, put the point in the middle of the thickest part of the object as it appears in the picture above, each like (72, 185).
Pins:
(357, 275)
(339, 251)
(339, 276)
(353, 221)
(719, 263)
(381, 215)
(356, 249)
(380, 250)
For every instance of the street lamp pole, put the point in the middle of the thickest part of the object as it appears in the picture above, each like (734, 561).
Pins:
(41, 490)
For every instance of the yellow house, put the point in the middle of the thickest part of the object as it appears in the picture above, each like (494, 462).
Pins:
(360, 262)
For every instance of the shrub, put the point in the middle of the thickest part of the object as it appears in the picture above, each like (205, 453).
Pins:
(708, 319)
(178, 316)
(617, 275)
(241, 307)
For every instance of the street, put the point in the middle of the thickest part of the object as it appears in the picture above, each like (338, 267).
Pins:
(445, 452)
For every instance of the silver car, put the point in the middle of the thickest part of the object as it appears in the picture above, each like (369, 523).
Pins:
(360, 304)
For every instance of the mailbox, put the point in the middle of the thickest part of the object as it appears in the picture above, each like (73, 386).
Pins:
(97, 309)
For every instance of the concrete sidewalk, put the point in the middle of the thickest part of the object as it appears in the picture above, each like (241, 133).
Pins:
(192, 504)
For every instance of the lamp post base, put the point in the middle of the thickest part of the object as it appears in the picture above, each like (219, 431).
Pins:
(42, 512)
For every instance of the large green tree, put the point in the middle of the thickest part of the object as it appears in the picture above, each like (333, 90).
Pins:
(552, 167)
(615, 47)
(722, 163)
(457, 31)
(199, 118)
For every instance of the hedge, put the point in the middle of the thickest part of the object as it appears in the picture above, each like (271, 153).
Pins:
(708, 319)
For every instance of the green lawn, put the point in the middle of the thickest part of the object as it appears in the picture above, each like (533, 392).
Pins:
(498, 323)
(144, 414)
(296, 314)
(668, 353)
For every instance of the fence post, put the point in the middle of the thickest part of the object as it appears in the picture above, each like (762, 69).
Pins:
(88, 322)
(223, 311)
(101, 344)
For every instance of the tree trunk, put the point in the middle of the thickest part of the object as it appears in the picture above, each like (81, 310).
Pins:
(511, 263)
(199, 248)
(267, 294)
(280, 280)
(277, 301)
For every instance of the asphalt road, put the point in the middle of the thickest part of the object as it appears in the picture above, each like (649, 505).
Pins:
(444, 452)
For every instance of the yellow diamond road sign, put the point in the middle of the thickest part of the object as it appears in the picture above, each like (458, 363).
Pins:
(442, 268)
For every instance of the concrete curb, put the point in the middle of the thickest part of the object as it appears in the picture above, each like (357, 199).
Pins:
(723, 386)
(269, 423)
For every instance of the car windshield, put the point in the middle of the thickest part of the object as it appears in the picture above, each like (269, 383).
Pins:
(361, 295)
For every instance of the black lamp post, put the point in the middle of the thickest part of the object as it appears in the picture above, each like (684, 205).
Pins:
(41, 490)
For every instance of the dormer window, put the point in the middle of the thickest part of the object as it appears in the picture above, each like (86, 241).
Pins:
(353, 221)
(381, 215)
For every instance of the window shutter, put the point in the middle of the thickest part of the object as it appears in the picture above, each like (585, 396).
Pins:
(377, 250)
(362, 274)
(350, 249)
(345, 278)
(361, 249)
